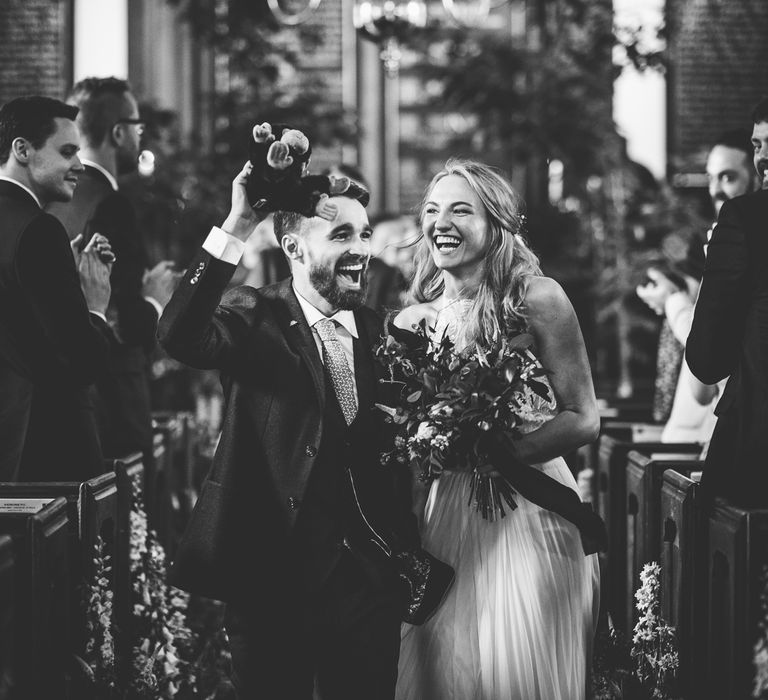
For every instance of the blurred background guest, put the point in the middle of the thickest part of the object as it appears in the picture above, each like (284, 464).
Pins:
(111, 128)
(691, 417)
(391, 266)
(263, 261)
(727, 338)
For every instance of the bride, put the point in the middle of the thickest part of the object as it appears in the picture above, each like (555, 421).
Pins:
(519, 622)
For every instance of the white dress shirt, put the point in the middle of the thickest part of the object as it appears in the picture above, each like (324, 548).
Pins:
(110, 177)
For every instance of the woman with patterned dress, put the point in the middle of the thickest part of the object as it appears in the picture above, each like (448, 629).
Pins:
(519, 621)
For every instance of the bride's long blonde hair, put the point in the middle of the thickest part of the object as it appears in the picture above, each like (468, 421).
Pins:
(508, 265)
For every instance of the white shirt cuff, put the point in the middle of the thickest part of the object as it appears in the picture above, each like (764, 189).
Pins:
(223, 246)
(158, 306)
(99, 314)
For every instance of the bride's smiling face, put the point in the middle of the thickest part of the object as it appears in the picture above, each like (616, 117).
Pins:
(455, 225)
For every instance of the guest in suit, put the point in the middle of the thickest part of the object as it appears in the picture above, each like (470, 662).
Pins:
(296, 520)
(729, 338)
(53, 333)
(110, 129)
(730, 174)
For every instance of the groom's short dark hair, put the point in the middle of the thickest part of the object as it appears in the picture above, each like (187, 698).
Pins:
(285, 222)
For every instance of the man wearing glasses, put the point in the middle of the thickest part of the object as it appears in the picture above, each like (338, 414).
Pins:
(111, 128)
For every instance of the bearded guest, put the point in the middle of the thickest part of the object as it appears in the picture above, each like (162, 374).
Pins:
(692, 418)
(292, 520)
(729, 338)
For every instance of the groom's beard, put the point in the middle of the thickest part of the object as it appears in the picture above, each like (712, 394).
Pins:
(324, 280)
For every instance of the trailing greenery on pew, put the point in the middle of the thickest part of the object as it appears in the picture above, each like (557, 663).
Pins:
(654, 644)
(162, 638)
(98, 662)
(760, 649)
(158, 668)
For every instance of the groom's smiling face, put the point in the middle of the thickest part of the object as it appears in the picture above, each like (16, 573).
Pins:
(333, 255)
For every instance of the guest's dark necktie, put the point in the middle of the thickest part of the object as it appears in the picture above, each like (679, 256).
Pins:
(338, 368)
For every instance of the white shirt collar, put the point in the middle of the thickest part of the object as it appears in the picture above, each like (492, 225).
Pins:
(110, 177)
(344, 317)
(23, 187)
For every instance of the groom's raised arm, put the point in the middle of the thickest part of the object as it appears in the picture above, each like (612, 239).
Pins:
(194, 327)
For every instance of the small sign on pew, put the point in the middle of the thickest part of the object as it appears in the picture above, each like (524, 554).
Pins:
(23, 505)
(675, 456)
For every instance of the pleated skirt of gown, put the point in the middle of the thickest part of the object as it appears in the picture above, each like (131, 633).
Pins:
(519, 622)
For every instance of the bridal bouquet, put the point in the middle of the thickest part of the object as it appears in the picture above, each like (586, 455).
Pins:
(445, 404)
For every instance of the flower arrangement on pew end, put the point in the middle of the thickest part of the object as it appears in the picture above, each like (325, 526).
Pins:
(654, 644)
(98, 664)
(178, 648)
(444, 404)
(760, 648)
(160, 665)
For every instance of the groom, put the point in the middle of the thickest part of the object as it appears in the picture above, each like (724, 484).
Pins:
(293, 522)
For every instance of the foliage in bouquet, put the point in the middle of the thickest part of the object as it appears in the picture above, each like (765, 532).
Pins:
(654, 644)
(760, 648)
(445, 403)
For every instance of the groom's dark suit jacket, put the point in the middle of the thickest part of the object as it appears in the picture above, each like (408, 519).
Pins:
(729, 338)
(279, 487)
(51, 348)
(123, 391)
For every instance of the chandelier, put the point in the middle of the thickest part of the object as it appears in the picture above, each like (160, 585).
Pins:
(388, 22)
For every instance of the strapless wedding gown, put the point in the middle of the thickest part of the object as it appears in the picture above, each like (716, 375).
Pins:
(519, 622)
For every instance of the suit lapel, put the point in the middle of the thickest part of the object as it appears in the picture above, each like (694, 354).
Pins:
(365, 372)
(298, 334)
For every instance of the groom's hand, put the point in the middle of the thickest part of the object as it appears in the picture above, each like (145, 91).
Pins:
(242, 218)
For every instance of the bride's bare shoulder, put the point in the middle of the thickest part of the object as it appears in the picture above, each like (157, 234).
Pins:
(545, 300)
(411, 316)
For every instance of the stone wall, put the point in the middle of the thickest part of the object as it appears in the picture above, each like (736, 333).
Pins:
(35, 48)
(718, 71)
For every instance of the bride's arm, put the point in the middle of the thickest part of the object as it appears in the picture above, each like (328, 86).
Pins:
(561, 351)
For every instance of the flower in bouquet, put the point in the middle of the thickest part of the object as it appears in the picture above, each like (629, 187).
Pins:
(445, 404)
(654, 644)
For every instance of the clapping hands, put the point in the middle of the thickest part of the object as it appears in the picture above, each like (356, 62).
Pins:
(160, 282)
(94, 265)
(656, 292)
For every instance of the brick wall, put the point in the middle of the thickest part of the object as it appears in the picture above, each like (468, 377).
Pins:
(35, 48)
(718, 71)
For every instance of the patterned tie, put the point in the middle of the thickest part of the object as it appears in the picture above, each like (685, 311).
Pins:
(338, 368)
